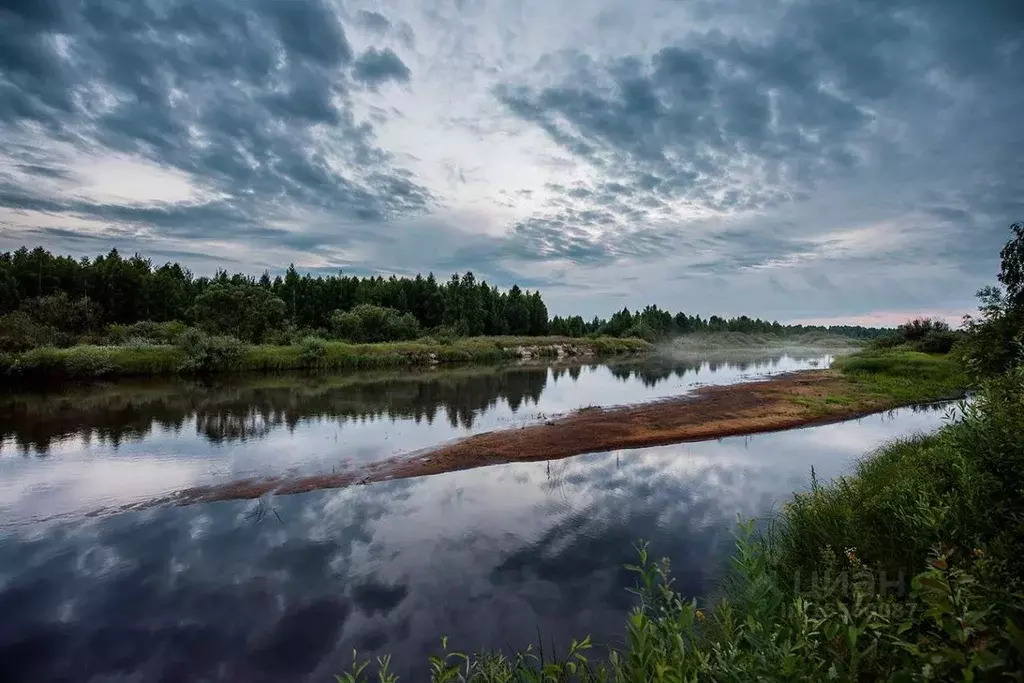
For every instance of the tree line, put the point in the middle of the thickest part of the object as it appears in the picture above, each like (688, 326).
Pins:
(48, 298)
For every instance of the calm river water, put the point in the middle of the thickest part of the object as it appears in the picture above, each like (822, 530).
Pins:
(283, 589)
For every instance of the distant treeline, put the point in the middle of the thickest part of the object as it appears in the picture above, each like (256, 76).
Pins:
(46, 298)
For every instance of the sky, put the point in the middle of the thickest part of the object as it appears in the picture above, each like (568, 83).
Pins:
(804, 160)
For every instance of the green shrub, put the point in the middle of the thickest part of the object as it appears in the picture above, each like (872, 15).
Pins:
(204, 353)
(936, 342)
(889, 341)
(367, 323)
(145, 332)
(244, 311)
(918, 328)
(446, 335)
(312, 351)
(72, 317)
(19, 332)
(641, 331)
(842, 628)
(86, 362)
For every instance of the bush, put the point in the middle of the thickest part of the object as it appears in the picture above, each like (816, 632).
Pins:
(73, 317)
(203, 353)
(918, 328)
(889, 341)
(312, 351)
(247, 312)
(87, 362)
(145, 332)
(641, 331)
(19, 332)
(936, 342)
(446, 335)
(367, 324)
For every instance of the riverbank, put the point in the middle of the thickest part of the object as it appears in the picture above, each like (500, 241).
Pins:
(107, 362)
(807, 398)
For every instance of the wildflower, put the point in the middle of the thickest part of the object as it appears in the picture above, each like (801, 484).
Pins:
(700, 615)
(851, 555)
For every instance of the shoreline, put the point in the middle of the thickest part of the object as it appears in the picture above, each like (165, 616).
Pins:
(805, 398)
(89, 363)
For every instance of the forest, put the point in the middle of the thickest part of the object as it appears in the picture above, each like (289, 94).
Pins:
(52, 300)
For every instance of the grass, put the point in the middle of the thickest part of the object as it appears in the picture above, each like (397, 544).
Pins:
(909, 569)
(878, 380)
(89, 362)
(905, 375)
(884, 379)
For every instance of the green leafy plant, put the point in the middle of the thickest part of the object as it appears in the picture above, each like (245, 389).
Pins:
(313, 351)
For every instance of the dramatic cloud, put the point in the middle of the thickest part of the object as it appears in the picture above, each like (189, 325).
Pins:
(790, 158)
(376, 66)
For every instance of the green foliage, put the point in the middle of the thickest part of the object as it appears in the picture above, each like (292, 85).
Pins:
(367, 323)
(312, 351)
(246, 312)
(964, 486)
(60, 312)
(841, 628)
(919, 328)
(195, 352)
(91, 362)
(110, 290)
(995, 338)
(145, 331)
(641, 331)
(904, 375)
(19, 332)
(202, 353)
(445, 335)
(1011, 274)
(936, 341)
(889, 341)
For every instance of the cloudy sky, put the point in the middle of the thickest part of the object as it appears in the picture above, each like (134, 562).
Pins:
(801, 160)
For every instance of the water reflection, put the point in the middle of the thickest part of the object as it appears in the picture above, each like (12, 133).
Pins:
(105, 446)
(244, 410)
(227, 592)
(33, 422)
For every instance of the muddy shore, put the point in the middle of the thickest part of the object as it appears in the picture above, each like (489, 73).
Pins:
(797, 399)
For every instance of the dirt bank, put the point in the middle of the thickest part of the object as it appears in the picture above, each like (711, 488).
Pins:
(787, 401)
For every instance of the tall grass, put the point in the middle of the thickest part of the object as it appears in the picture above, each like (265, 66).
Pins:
(221, 354)
(904, 375)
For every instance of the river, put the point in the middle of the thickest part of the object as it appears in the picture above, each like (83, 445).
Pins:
(283, 588)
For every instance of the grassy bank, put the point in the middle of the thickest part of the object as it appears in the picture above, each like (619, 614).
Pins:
(226, 356)
(881, 379)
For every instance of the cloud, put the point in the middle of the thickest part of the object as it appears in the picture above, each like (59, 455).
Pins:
(253, 104)
(375, 21)
(722, 125)
(377, 66)
(729, 155)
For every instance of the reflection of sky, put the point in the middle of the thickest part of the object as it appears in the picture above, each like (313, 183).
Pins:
(486, 556)
(81, 473)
